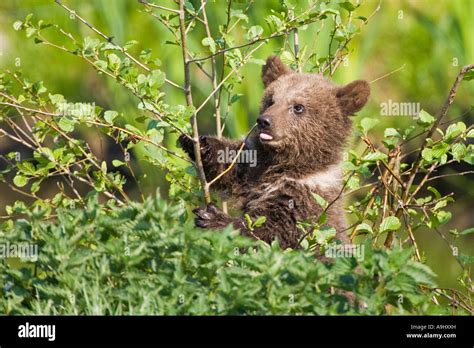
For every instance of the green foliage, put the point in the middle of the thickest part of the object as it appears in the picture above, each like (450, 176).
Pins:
(139, 260)
(124, 257)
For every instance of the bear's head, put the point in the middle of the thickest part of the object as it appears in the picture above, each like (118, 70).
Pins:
(304, 117)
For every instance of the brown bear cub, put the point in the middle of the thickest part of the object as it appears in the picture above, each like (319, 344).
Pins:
(300, 134)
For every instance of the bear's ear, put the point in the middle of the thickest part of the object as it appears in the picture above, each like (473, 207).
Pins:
(273, 69)
(352, 97)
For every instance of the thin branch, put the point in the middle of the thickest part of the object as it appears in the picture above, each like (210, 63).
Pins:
(441, 115)
(189, 101)
(257, 40)
(159, 6)
(133, 135)
(388, 74)
(452, 174)
(417, 164)
(235, 159)
(110, 39)
(227, 77)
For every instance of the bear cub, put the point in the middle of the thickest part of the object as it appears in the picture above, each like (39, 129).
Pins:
(300, 134)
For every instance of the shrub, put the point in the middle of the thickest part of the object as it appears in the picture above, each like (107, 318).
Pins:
(138, 260)
(133, 254)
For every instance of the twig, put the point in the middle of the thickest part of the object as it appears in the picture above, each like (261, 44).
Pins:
(137, 136)
(416, 165)
(328, 206)
(388, 74)
(412, 238)
(189, 101)
(215, 90)
(234, 161)
(159, 6)
(266, 38)
(110, 39)
(214, 86)
(441, 115)
(452, 174)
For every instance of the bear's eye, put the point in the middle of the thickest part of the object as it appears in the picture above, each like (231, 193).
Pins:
(268, 102)
(298, 108)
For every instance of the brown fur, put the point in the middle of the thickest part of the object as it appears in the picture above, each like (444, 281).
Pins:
(303, 156)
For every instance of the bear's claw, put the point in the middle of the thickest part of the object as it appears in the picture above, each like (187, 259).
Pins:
(187, 144)
(210, 217)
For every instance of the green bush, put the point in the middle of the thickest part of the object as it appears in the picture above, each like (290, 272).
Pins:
(139, 260)
(124, 257)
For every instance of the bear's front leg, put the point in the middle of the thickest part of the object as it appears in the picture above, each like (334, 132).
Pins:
(212, 217)
(213, 157)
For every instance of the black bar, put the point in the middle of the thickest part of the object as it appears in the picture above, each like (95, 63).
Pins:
(139, 330)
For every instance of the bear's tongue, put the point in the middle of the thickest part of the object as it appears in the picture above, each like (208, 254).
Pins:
(265, 136)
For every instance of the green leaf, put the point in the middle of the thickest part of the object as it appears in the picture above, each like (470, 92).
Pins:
(35, 186)
(133, 129)
(440, 204)
(117, 163)
(363, 227)
(156, 135)
(90, 43)
(375, 156)
(66, 124)
(209, 42)
(157, 79)
(287, 58)
(141, 79)
(110, 116)
(17, 25)
(30, 31)
(130, 44)
(260, 221)
(20, 180)
(103, 167)
(56, 99)
(390, 223)
(440, 150)
(347, 5)
(391, 132)
(427, 154)
(368, 123)
(468, 76)
(435, 191)
(458, 151)
(248, 220)
(325, 235)
(238, 14)
(101, 64)
(470, 134)
(47, 153)
(425, 118)
(321, 201)
(421, 273)
(113, 61)
(467, 231)
(455, 130)
(145, 55)
(254, 32)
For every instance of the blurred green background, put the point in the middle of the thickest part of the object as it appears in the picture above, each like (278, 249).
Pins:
(426, 42)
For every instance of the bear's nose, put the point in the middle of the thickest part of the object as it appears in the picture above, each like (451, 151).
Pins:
(264, 121)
